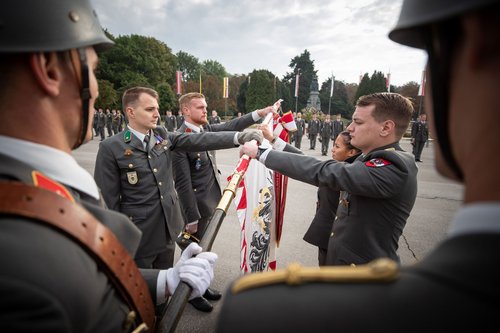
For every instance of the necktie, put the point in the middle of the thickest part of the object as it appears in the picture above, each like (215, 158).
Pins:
(146, 141)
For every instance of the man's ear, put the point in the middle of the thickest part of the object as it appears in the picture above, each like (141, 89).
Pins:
(46, 68)
(387, 128)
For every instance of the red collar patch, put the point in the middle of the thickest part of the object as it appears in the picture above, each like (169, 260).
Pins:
(42, 181)
(188, 130)
(377, 163)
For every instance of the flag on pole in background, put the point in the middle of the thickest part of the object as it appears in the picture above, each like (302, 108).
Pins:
(331, 85)
(297, 85)
(388, 82)
(257, 210)
(178, 82)
(421, 89)
(200, 82)
(225, 90)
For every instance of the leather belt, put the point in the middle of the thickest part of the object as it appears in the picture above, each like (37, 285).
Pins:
(76, 222)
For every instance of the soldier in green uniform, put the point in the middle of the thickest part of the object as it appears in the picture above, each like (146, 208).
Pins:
(456, 284)
(66, 262)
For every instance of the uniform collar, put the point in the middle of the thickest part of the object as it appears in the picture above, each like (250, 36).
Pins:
(476, 218)
(138, 134)
(54, 163)
(194, 128)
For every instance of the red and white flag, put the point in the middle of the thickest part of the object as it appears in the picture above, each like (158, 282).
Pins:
(260, 202)
(225, 89)
(388, 82)
(297, 79)
(178, 82)
(421, 89)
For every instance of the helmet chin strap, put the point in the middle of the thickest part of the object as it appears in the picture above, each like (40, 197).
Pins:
(81, 68)
(440, 77)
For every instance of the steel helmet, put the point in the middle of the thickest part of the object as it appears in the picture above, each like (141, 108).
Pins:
(415, 14)
(49, 25)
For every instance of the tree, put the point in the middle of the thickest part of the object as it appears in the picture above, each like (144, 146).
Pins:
(340, 102)
(364, 87)
(213, 68)
(168, 100)
(108, 98)
(137, 60)
(260, 92)
(303, 65)
(189, 65)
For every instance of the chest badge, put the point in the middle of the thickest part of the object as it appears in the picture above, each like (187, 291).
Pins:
(132, 177)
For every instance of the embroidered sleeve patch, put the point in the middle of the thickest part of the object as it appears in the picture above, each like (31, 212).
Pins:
(377, 163)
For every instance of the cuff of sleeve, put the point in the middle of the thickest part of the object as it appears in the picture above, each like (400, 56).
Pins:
(255, 115)
(161, 287)
(279, 144)
(235, 139)
(263, 155)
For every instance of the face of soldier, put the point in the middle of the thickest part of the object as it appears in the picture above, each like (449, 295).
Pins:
(366, 133)
(196, 111)
(340, 149)
(144, 113)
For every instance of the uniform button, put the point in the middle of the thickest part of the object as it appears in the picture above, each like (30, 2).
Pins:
(194, 190)
(332, 234)
(149, 156)
(159, 183)
(130, 165)
(161, 197)
(155, 170)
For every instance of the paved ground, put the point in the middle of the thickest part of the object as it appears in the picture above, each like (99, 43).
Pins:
(436, 203)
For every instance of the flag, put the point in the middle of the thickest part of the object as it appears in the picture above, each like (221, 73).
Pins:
(421, 89)
(331, 86)
(388, 82)
(200, 82)
(178, 82)
(257, 209)
(282, 126)
(225, 90)
(297, 85)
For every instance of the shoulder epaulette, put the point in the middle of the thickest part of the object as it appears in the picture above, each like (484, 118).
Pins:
(379, 270)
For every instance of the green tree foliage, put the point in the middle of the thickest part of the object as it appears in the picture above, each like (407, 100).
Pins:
(137, 60)
(340, 102)
(168, 100)
(213, 68)
(241, 98)
(189, 65)
(378, 82)
(370, 85)
(108, 97)
(260, 90)
(305, 66)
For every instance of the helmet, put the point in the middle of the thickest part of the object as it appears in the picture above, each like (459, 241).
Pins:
(49, 25)
(416, 14)
(412, 30)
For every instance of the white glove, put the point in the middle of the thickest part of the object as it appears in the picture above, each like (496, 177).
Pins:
(197, 272)
(250, 149)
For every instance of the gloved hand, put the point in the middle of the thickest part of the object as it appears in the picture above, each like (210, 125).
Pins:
(263, 112)
(250, 149)
(197, 271)
(249, 135)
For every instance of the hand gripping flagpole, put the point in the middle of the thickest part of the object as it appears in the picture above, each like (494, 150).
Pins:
(180, 297)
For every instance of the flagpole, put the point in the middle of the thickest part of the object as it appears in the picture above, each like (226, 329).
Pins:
(180, 297)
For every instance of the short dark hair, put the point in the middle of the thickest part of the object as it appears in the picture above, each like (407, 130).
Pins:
(130, 96)
(390, 106)
(346, 136)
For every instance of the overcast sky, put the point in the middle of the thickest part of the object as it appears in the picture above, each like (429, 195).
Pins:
(344, 37)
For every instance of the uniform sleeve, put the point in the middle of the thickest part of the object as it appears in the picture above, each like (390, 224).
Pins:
(378, 181)
(237, 124)
(107, 177)
(183, 185)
